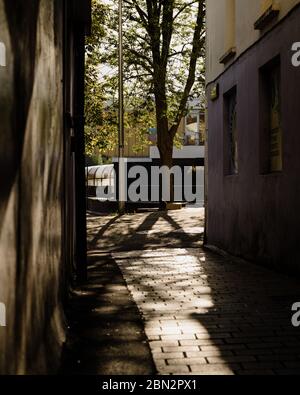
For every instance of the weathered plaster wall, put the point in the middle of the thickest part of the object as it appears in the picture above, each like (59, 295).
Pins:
(253, 215)
(31, 196)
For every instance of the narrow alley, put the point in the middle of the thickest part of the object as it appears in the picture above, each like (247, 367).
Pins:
(149, 190)
(157, 302)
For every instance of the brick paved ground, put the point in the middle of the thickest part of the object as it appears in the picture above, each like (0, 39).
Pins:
(183, 228)
(202, 313)
(106, 335)
(206, 315)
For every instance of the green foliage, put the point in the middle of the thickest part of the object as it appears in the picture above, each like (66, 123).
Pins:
(98, 136)
(164, 80)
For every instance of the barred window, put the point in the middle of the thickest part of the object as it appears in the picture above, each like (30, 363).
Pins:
(231, 134)
(271, 131)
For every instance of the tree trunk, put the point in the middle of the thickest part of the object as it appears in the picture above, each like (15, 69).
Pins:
(165, 147)
(166, 159)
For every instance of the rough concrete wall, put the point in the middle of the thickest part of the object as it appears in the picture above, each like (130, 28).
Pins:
(253, 215)
(31, 165)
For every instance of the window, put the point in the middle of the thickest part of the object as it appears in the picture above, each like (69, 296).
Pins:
(194, 133)
(152, 135)
(192, 129)
(231, 138)
(270, 118)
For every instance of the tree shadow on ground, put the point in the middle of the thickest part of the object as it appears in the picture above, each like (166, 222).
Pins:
(102, 230)
(225, 317)
(106, 335)
(250, 318)
(157, 229)
(231, 317)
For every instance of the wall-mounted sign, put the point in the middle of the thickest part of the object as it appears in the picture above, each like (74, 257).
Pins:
(214, 92)
(2, 55)
(2, 314)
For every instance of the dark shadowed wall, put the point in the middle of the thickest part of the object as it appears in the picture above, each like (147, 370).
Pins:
(253, 214)
(37, 79)
(31, 162)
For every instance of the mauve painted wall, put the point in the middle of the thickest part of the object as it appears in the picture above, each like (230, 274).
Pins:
(252, 215)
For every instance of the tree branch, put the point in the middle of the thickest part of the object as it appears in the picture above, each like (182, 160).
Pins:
(183, 8)
(196, 51)
(142, 59)
(181, 52)
(154, 34)
(142, 14)
(167, 30)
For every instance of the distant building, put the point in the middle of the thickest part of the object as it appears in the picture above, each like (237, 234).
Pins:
(191, 134)
(188, 153)
(253, 118)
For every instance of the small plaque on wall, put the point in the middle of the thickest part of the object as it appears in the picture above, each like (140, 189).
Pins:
(214, 92)
(2, 55)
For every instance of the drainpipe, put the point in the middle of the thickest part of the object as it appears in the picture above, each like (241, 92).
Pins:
(121, 113)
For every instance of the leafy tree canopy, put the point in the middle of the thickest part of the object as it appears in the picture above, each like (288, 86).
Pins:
(163, 67)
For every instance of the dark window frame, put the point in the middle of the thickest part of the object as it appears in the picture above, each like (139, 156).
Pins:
(266, 90)
(231, 148)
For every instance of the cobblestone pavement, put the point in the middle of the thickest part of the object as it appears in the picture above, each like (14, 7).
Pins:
(202, 313)
(182, 228)
(106, 335)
